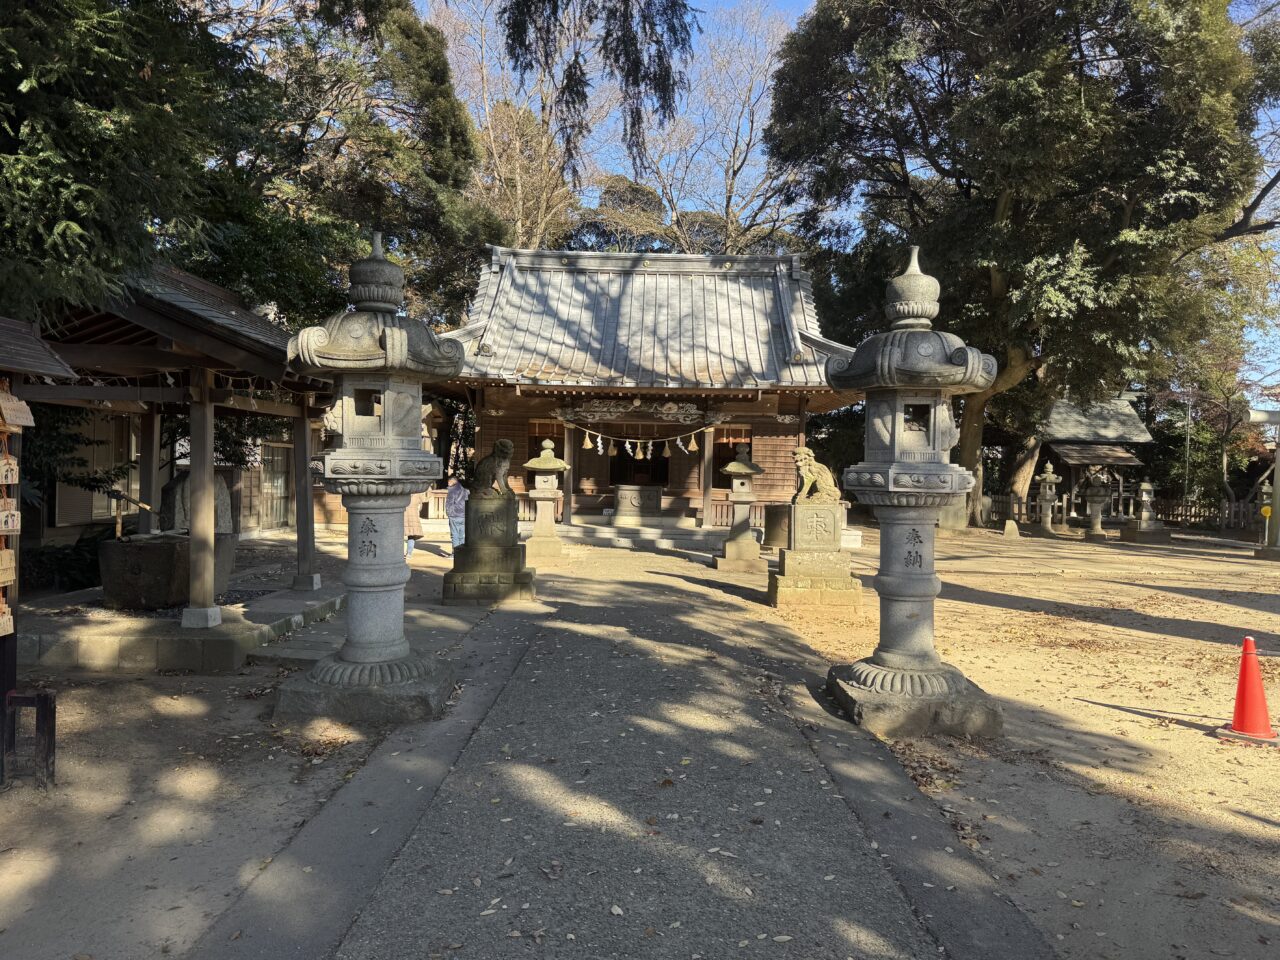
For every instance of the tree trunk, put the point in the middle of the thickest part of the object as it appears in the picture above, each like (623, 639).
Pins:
(1018, 364)
(1024, 468)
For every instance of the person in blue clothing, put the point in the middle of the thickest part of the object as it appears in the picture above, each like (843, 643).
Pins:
(455, 508)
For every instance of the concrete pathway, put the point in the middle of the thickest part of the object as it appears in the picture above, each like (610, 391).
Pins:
(643, 788)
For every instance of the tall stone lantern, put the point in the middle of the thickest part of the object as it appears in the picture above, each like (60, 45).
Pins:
(378, 361)
(909, 374)
(1097, 494)
(1048, 496)
(544, 543)
(740, 550)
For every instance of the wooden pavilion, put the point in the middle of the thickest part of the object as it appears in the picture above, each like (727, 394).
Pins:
(176, 344)
(646, 371)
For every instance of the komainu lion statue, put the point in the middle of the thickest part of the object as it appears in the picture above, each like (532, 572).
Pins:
(489, 478)
(816, 483)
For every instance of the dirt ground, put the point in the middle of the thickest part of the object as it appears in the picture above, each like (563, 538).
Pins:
(172, 791)
(1116, 819)
(1110, 812)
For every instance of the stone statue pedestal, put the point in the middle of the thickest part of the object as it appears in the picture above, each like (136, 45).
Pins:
(489, 567)
(544, 543)
(374, 676)
(812, 569)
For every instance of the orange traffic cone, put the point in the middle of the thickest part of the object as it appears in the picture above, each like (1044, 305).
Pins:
(1251, 720)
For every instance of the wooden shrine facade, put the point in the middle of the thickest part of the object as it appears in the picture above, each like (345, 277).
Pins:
(646, 371)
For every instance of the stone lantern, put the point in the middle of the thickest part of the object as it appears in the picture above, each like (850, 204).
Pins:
(1048, 496)
(909, 374)
(1270, 549)
(1145, 528)
(378, 361)
(740, 550)
(544, 543)
(1097, 494)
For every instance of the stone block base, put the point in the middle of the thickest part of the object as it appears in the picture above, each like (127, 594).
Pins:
(742, 565)
(1011, 529)
(970, 713)
(306, 581)
(1267, 553)
(837, 591)
(423, 699)
(544, 548)
(1135, 535)
(478, 589)
(1095, 537)
(201, 618)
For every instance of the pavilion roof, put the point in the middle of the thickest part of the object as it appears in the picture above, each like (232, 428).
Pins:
(643, 320)
(25, 352)
(1107, 421)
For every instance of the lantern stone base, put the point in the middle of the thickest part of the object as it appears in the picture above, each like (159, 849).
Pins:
(963, 710)
(814, 578)
(544, 548)
(421, 698)
(1145, 531)
(741, 556)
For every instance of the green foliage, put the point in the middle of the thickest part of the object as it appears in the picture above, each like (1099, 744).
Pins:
(838, 438)
(628, 218)
(107, 112)
(66, 566)
(1053, 161)
(236, 440)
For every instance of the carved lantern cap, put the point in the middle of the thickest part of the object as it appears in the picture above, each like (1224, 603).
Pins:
(1049, 476)
(911, 355)
(741, 465)
(547, 461)
(373, 337)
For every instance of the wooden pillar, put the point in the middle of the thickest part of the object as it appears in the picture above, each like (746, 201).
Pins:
(304, 523)
(708, 463)
(149, 474)
(571, 458)
(200, 610)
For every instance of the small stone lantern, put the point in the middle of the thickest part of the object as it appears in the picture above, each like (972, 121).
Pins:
(1145, 527)
(544, 543)
(909, 374)
(740, 550)
(1097, 494)
(1048, 496)
(1270, 549)
(378, 361)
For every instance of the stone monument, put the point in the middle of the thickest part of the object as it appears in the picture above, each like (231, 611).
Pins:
(1270, 549)
(489, 566)
(378, 360)
(544, 543)
(909, 374)
(1048, 497)
(812, 569)
(740, 551)
(1144, 527)
(1097, 494)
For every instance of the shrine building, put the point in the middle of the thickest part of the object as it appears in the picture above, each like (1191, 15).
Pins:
(646, 370)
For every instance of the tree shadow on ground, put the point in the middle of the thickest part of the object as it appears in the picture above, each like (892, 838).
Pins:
(1141, 622)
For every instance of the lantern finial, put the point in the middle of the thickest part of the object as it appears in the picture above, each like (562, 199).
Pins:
(911, 299)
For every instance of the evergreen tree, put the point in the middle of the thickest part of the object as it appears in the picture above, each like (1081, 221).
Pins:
(1054, 161)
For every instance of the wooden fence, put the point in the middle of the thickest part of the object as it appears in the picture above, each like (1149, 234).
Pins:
(1200, 514)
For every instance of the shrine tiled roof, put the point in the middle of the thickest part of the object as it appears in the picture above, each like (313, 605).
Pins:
(25, 352)
(644, 320)
(1107, 421)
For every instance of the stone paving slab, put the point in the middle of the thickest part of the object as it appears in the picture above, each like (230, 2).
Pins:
(639, 791)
